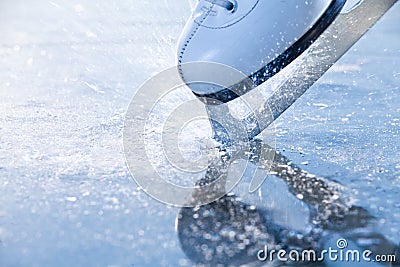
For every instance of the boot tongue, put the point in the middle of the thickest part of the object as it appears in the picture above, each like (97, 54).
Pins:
(205, 8)
(209, 14)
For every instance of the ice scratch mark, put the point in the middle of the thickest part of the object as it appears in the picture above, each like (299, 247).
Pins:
(93, 87)
(321, 105)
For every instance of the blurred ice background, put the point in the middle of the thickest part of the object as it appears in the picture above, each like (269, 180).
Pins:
(68, 70)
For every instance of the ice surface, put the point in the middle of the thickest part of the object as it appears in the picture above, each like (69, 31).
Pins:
(68, 70)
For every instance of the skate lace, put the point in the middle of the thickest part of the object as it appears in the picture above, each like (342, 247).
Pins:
(228, 5)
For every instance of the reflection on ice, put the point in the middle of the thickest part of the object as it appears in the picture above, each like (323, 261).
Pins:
(230, 232)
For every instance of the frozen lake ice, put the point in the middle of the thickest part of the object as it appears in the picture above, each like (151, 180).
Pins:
(68, 70)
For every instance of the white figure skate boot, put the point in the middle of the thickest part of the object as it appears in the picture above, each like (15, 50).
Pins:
(256, 37)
